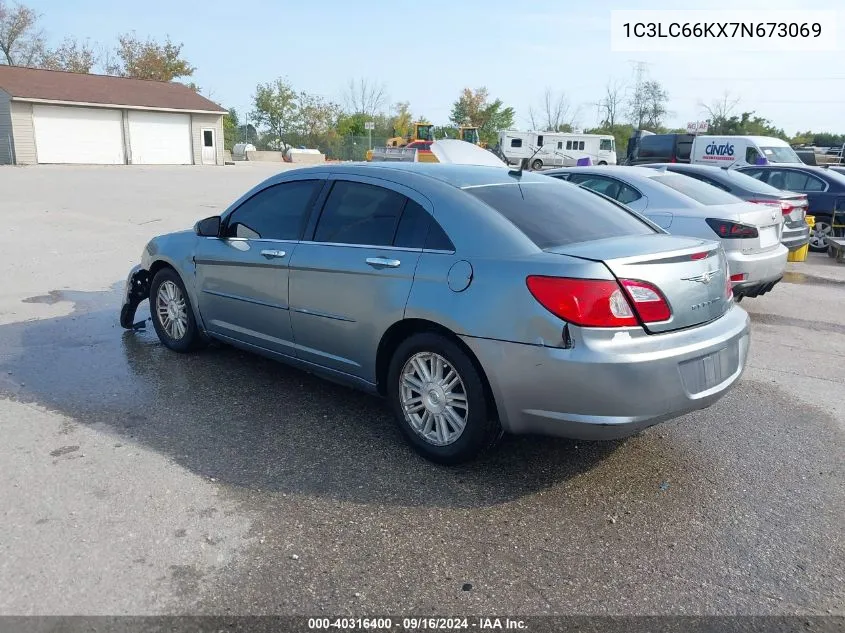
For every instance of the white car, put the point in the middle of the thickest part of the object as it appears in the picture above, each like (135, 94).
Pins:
(750, 233)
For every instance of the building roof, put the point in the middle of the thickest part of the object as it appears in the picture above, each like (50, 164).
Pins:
(32, 84)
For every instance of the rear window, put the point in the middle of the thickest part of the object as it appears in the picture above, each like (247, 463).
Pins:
(657, 146)
(684, 149)
(556, 214)
(699, 191)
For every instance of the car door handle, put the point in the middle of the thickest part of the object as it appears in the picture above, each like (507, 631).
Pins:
(383, 262)
(271, 254)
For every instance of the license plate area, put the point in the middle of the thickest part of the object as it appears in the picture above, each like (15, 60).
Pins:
(701, 374)
(769, 236)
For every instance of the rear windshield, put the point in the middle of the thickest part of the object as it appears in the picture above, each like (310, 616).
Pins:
(699, 191)
(780, 154)
(556, 214)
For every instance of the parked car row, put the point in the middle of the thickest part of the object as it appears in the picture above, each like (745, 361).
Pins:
(769, 160)
(750, 234)
(477, 300)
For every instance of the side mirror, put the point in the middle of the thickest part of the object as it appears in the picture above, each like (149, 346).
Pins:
(209, 227)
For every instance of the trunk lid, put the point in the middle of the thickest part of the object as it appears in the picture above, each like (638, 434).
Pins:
(769, 222)
(692, 274)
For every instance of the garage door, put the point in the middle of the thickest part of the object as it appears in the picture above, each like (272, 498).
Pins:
(65, 134)
(160, 138)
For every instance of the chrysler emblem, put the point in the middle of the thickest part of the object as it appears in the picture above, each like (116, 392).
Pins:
(703, 278)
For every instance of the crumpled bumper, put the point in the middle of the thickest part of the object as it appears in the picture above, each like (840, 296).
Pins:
(136, 290)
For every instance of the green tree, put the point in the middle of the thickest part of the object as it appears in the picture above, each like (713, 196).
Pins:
(275, 106)
(148, 59)
(647, 105)
(746, 124)
(402, 119)
(473, 107)
(21, 41)
(230, 129)
(71, 55)
(317, 118)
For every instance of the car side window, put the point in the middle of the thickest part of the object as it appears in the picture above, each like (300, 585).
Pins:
(751, 155)
(627, 194)
(814, 184)
(278, 212)
(417, 229)
(358, 213)
(610, 188)
(792, 180)
(759, 174)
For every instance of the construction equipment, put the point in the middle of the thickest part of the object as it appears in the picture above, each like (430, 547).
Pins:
(417, 152)
(470, 135)
(421, 132)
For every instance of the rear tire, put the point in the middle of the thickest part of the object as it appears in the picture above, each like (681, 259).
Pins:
(819, 234)
(439, 401)
(172, 313)
(537, 165)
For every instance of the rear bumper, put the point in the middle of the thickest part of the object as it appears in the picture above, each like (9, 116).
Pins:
(612, 384)
(758, 268)
(795, 237)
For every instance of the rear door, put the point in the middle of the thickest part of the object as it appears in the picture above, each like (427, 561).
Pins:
(242, 277)
(351, 278)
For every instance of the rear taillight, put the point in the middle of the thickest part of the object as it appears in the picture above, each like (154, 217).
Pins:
(731, 230)
(738, 277)
(598, 302)
(649, 302)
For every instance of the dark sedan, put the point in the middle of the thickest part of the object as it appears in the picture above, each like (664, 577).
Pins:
(796, 232)
(825, 191)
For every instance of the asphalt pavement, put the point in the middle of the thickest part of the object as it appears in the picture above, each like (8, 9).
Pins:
(138, 481)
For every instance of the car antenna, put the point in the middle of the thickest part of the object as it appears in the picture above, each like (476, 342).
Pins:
(522, 163)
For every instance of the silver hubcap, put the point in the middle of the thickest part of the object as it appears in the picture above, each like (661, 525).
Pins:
(433, 398)
(819, 235)
(172, 310)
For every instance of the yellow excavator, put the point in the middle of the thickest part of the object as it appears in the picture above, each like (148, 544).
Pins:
(420, 141)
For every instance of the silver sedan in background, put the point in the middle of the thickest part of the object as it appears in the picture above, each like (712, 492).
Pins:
(477, 300)
(749, 233)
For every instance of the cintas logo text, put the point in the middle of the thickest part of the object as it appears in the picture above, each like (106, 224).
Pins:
(719, 151)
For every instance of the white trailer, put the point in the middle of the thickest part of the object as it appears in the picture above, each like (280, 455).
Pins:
(556, 149)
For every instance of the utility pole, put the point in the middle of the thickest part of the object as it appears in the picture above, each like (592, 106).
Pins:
(640, 70)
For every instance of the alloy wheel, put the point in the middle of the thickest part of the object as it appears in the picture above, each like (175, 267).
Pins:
(433, 398)
(172, 310)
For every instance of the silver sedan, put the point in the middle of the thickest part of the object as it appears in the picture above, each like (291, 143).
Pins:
(750, 233)
(475, 299)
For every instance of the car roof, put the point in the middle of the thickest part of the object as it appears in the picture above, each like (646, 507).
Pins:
(460, 176)
(627, 171)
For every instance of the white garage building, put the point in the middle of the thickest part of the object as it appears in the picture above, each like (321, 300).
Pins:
(57, 117)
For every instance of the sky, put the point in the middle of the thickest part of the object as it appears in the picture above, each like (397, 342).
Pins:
(426, 52)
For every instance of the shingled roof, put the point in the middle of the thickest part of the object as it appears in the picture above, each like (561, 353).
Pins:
(51, 85)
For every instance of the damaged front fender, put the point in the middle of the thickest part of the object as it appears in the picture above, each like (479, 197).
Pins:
(137, 289)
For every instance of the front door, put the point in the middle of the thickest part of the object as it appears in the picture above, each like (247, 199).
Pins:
(209, 147)
(242, 277)
(351, 281)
